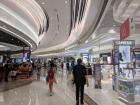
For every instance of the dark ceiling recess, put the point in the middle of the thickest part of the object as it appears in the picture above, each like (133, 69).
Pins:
(44, 28)
(9, 52)
(82, 9)
(78, 8)
(7, 38)
(58, 21)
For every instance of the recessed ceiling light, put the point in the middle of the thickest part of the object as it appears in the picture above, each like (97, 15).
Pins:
(43, 3)
(114, 25)
(66, 2)
(86, 41)
(111, 31)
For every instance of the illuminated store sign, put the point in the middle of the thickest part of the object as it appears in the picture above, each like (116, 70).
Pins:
(127, 42)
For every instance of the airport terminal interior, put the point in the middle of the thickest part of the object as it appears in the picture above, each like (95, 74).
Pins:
(69, 52)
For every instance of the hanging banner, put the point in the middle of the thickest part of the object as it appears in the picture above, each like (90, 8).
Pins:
(125, 29)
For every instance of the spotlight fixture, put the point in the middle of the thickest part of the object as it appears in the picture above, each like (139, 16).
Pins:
(86, 41)
(66, 2)
(43, 3)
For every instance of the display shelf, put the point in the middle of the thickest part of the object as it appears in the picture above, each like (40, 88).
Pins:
(124, 93)
(128, 77)
(127, 102)
(129, 90)
(125, 79)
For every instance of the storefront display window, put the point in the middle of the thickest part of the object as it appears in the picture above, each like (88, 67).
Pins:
(1, 59)
(105, 58)
(85, 58)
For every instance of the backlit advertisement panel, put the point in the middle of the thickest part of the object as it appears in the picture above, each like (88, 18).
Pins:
(124, 54)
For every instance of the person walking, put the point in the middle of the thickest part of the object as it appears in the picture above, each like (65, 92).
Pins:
(8, 67)
(68, 67)
(45, 68)
(79, 79)
(39, 65)
(72, 65)
(1, 72)
(62, 67)
(51, 77)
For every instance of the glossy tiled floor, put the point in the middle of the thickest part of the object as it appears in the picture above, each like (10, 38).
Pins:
(104, 96)
(37, 93)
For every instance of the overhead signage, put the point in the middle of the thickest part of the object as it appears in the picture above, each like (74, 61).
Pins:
(105, 55)
(85, 54)
(126, 42)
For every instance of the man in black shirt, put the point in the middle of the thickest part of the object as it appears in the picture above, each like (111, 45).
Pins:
(79, 75)
(8, 67)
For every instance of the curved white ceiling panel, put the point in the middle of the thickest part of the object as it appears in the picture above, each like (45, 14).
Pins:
(107, 30)
(24, 15)
(59, 22)
(74, 35)
(18, 24)
(89, 17)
